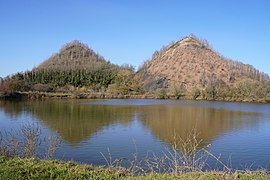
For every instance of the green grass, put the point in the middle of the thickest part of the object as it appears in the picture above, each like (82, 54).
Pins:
(16, 168)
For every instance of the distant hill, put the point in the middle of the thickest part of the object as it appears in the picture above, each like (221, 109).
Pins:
(190, 65)
(75, 69)
(73, 55)
(186, 69)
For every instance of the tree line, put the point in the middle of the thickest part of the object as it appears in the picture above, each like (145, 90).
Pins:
(99, 78)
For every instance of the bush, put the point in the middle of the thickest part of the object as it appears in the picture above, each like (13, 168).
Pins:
(25, 142)
(43, 87)
(195, 94)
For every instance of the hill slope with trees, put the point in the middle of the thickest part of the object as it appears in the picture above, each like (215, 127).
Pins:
(75, 69)
(190, 67)
(186, 69)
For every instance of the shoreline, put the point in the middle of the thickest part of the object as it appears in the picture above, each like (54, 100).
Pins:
(78, 95)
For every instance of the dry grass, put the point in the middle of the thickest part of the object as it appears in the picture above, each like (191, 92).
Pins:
(24, 143)
(184, 156)
(184, 160)
(192, 64)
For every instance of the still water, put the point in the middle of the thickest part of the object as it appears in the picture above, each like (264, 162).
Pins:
(239, 133)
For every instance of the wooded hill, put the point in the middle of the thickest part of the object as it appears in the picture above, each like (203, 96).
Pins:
(75, 68)
(188, 69)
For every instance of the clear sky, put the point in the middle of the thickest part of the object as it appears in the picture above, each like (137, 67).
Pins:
(129, 31)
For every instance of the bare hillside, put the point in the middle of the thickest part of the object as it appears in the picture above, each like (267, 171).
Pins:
(191, 64)
(73, 55)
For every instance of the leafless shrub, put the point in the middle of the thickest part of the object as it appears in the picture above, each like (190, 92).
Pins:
(116, 166)
(185, 155)
(25, 142)
(31, 139)
(54, 143)
(190, 156)
(9, 144)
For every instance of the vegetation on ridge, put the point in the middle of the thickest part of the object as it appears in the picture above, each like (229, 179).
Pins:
(75, 67)
(191, 68)
(188, 69)
(73, 55)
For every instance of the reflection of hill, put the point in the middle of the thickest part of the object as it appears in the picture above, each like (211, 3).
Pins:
(165, 121)
(12, 108)
(75, 121)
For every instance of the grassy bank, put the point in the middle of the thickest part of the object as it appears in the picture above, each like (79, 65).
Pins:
(82, 95)
(19, 159)
(70, 95)
(16, 168)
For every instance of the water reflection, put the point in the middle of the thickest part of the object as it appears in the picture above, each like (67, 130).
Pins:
(167, 121)
(12, 108)
(236, 130)
(75, 121)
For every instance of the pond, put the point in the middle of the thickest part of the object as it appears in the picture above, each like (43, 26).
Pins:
(237, 133)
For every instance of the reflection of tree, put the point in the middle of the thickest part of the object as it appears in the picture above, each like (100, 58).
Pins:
(73, 121)
(76, 122)
(12, 108)
(167, 121)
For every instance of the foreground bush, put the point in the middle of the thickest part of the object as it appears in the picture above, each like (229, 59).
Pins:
(25, 142)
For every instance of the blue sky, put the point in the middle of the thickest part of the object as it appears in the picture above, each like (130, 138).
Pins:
(128, 31)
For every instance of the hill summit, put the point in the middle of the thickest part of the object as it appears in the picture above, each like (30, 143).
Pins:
(73, 55)
(190, 64)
